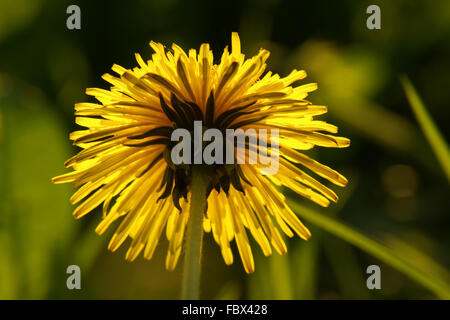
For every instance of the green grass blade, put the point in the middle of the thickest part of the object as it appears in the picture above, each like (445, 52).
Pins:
(280, 276)
(305, 265)
(350, 275)
(438, 286)
(429, 128)
(259, 284)
(272, 279)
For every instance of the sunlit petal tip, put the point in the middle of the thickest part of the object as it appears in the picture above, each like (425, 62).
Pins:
(249, 268)
(172, 259)
(115, 243)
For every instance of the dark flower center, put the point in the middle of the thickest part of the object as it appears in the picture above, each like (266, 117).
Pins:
(182, 114)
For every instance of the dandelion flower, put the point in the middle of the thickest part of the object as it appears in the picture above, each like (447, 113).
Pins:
(125, 162)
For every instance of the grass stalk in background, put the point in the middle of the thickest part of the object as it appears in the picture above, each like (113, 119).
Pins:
(435, 284)
(429, 128)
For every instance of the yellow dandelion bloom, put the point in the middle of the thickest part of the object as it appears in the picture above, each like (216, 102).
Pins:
(125, 159)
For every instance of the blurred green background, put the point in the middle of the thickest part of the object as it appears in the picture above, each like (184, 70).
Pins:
(398, 193)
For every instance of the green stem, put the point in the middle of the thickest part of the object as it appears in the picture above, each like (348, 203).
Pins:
(194, 236)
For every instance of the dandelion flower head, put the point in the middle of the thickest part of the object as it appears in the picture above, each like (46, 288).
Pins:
(125, 163)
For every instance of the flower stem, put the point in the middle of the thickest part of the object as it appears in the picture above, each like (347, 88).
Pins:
(194, 235)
